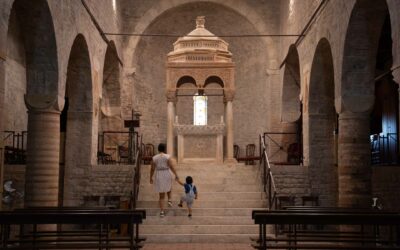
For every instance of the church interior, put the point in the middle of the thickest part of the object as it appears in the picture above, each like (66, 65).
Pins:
(289, 107)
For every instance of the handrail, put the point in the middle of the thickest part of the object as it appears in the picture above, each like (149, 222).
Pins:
(297, 157)
(268, 178)
(136, 179)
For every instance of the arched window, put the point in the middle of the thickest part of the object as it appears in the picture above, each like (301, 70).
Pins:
(199, 110)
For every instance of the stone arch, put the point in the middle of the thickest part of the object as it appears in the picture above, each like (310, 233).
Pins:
(291, 87)
(357, 100)
(214, 79)
(320, 126)
(32, 74)
(185, 80)
(291, 113)
(359, 57)
(186, 89)
(110, 105)
(214, 90)
(385, 113)
(242, 8)
(79, 117)
(32, 63)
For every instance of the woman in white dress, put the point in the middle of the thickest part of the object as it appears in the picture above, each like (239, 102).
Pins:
(163, 169)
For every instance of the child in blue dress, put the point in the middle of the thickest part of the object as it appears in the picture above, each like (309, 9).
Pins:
(190, 194)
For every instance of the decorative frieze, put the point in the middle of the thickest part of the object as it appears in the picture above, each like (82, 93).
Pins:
(181, 129)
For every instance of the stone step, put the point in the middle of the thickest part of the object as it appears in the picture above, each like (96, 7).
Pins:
(199, 238)
(212, 187)
(212, 204)
(198, 220)
(177, 211)
(198, 229)
(150, 195)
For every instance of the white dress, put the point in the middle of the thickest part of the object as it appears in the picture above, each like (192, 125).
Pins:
(162, 175)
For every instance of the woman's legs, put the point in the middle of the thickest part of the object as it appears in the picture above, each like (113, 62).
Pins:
(161, 201)
(169, 199)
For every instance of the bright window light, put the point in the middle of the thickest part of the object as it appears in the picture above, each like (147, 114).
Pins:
(200, 110)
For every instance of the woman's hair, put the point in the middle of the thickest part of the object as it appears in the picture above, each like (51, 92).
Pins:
(161, 147)
(189, 180)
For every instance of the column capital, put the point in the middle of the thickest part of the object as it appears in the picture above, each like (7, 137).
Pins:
(44, 103)
(229, 95)
(171, 96)
(353, 115)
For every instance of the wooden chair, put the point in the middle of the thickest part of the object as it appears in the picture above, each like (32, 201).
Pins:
(250, 150)
(294, 154)
(147, 153)
(123, 153)
(236, 151)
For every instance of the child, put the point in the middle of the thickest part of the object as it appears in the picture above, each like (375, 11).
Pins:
(190, 194)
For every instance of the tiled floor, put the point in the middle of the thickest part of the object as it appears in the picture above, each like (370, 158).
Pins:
(197, 246)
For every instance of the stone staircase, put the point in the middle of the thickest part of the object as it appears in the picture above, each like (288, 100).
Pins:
(221, 214)
(291, 180)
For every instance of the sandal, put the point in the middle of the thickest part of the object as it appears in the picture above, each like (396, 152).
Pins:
(162, 214)
(169, 203)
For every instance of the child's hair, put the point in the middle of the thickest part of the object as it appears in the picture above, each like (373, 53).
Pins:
(189, 180)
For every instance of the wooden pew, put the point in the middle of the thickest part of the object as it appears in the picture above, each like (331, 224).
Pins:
(363, 239)
(70, 240)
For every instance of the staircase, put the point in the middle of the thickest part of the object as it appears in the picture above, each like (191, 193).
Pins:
(291, 180)
(221, 214)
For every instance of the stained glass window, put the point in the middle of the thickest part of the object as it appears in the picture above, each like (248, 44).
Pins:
(200, 110)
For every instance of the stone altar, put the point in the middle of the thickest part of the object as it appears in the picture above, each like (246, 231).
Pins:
(200, 143)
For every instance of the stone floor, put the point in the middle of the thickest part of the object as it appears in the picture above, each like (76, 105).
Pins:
(196, 246)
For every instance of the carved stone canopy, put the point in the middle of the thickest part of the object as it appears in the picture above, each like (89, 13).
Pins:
(200, 58)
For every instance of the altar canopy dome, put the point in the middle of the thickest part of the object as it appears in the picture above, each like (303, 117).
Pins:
(199, 46)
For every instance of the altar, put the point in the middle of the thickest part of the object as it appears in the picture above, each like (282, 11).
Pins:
(200, 143)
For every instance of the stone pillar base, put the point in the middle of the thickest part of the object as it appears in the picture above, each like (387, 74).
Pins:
(230, 161)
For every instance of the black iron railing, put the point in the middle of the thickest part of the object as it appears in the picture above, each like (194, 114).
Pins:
(267, 177)
(15, 147)
(118, 147)
(384, 149)
(136, 179)
(285, 147)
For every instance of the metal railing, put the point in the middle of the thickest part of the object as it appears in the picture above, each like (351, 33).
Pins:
(267, 177)
(288, 148)
(15, 147)
(118, 147)
(136, 179)
(384, 149)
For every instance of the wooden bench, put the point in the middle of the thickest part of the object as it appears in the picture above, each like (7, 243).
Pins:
(363, 238)
(67, 239)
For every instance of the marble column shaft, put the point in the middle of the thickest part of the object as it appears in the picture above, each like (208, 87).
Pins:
(170, 132)
(229, 129)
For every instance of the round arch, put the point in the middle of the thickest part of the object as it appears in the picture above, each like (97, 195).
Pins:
(359, 57)
(320, 125)
(242, 8)
(78, 112)
(214, 79)
(357, 99)
(291, 110)
(185, 80)
(110, 105)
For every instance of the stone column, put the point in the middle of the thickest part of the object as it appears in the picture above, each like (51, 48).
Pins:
(171, 98)
(229, 126)
(43, 149)
(354, 160)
